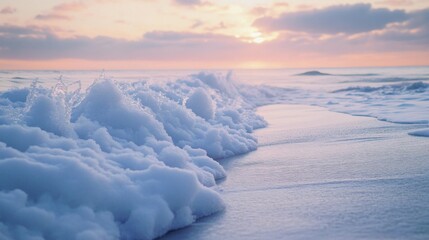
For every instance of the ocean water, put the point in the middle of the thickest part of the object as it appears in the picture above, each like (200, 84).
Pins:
(323, 175)
(74, 143)
(396, 94)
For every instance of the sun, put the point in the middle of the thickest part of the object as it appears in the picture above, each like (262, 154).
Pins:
(256, 37)
(258, 40)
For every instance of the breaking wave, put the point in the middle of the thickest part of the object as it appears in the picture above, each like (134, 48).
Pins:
(119, 160)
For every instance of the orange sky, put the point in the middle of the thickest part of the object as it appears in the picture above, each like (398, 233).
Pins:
(173, 34)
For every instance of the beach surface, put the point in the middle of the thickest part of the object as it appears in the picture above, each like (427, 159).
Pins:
(322, 175)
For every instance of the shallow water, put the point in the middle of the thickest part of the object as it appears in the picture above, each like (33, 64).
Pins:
(319, 174)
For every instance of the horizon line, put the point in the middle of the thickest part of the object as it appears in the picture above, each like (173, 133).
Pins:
(215, 68)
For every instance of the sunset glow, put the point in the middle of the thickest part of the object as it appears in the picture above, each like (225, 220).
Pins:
(212, 34)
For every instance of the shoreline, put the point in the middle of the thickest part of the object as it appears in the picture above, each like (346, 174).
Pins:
(271, 182)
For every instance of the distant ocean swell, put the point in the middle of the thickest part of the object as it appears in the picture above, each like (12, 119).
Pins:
(405, 102)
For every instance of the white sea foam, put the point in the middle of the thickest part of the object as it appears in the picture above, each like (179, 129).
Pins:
(128, 160)
(399, 103)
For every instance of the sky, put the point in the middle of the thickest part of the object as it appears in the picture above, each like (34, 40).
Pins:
(191, 34)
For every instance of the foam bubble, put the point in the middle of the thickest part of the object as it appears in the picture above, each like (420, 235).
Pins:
(119, 160)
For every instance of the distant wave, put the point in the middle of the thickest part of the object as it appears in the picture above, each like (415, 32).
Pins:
(318, 73)
(313, 73)
(389, 79)
(16, 81)
(420, 133)
(395, 88)
(358, 75)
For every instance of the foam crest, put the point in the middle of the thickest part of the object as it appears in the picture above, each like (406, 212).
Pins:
(121, 160)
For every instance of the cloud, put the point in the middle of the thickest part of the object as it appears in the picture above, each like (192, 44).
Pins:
(36, 43)
(52, 16)
(267, 10)
(176, 36)
(420, 18)
(258, 11)
(23, 43)
(13, 31)
(414, 32)
(397, 3)
(7, 10)
(61, 11)
(72, 6)
(219, 26)
(281, 4)
(350, 19)
(197, 4)
(188, 2)
(197, 24)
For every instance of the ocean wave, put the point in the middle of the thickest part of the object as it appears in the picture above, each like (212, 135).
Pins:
(318, 73)
(388, 89)
(404, 103)
(420, 133)
(119, 160)
(313, 73)
(20, 78)
(388, 79)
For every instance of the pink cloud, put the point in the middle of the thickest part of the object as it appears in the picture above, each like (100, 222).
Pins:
(52, 16)
(268, 9)
(36, 44)
(61, 11)
(348, 19)
(303, 7)
(193, 3)
(72, 7)
(197, 24)
(24, 43)
(7, 10)
(281, 4)
(397, 3)
(188, 2)
(219, 26)
(258, 11)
